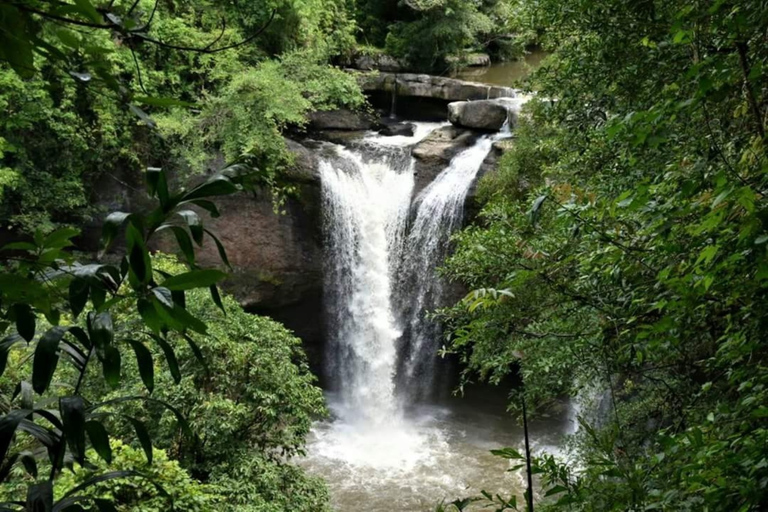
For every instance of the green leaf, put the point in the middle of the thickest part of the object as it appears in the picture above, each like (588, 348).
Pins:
(149, 314)
(19, 246)
(157, 185)
(218, 185)
(111, 226)
(185, 243)
(206, 205)
(138, 112)
(507, 453)
(78, 296)
(194, 279)
(72, 411)
(170, 357)
(99, 439)
(163, 295)
(40, 497)
(198, 353)
(101, 331)
(143, 436)
(8, 425)
(46, 359)
(145, 364)
(557, 489)
(195, 224)
(217, 298)
(30, 464)
(60, 238)
(86, 8)
(220, 248)
(138, 255)
(533, 213)
(5, 347)
(25, 320)
(111, 366)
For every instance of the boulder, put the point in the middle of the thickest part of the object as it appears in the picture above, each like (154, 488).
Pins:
(342, 119)
(434, 153)
(399, 129)
(487, 115)
(428, 86)
(380, 62)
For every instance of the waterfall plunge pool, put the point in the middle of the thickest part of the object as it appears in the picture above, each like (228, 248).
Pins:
(435, 452)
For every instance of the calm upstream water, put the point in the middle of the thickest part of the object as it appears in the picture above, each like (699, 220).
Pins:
(506, 74)
(390, 443)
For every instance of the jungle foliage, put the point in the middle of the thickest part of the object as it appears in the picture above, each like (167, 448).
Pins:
(621, 254)
(113, 389)
(425, 32)
(82, 85)
(143, 352)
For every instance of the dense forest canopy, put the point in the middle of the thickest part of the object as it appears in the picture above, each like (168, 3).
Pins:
(620, 255)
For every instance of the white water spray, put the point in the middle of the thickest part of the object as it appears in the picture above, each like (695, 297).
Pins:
(439, 213)
(365, 205)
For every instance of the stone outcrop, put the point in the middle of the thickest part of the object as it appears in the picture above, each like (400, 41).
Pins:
(342, 119)
(487, 115)
(381, 62)
(435, 152)
(428, 86)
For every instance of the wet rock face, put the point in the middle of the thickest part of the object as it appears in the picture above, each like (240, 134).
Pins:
(402, 129)
(434, 153)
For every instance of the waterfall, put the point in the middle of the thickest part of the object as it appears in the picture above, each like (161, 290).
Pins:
(381, 273)
(365, 203)
(439, 213)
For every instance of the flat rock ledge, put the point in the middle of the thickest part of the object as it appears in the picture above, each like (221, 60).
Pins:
(429, 86)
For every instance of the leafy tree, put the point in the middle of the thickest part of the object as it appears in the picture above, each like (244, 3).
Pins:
(622, 248)
(84, 83)
(44, 281)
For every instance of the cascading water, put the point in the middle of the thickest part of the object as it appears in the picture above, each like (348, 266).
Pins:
(385, 447)
(366, 205)
(439, 213)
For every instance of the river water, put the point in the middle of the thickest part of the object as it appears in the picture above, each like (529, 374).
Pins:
(506, 74)
(391, 442)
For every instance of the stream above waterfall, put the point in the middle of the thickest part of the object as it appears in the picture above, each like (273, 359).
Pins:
(396, 439)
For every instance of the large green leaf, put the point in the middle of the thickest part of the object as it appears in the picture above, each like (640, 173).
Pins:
(99, 439)
(5, 346)
(145, 364)
(46, 358)
(72, 411)
(142, 434)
